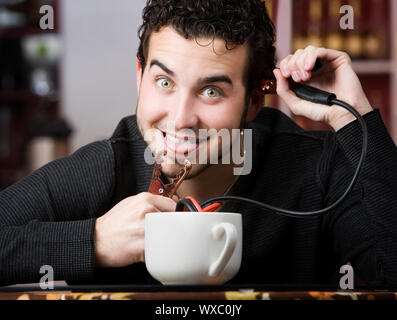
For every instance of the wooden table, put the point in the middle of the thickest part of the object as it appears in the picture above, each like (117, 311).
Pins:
(183, 304)
(201, 295)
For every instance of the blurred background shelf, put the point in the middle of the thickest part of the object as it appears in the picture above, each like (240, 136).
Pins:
(374, 67)
(371, 45)
(19, 95)
(19, 32)
(88, 61)
(29, 86)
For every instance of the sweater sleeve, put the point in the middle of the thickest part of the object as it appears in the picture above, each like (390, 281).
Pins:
(48, 218)
(363, 228)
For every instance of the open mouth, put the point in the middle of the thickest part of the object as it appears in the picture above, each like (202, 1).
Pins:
(181, 144)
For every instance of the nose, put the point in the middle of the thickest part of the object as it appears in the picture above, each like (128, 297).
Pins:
(185, 115)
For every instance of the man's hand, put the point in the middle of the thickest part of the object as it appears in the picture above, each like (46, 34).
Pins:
(120, 233)
(337, 76)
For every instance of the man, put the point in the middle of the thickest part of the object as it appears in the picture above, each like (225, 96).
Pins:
(200, 64)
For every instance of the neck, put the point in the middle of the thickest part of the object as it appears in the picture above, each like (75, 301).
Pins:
(213, 181)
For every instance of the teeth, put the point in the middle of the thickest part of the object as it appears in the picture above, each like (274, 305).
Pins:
(180, 141)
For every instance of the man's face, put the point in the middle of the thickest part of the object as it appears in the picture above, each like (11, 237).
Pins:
(189, 86)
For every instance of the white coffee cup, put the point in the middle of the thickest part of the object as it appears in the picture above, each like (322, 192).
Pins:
(191, 248)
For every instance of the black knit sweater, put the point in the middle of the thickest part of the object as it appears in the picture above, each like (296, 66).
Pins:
(48, 217)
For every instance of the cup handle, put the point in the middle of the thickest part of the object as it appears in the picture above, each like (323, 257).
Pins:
(230, 244)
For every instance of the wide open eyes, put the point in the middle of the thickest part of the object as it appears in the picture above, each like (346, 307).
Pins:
(211, 93)
(165, 83)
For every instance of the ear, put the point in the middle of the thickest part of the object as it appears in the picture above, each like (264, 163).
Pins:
(138, 75)
(255, 105)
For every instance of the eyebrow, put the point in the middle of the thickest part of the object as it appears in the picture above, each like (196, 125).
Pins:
(155, 62)
(213, 79)
(201, 81)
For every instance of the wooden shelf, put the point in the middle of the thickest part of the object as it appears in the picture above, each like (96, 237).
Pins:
(374, 67)
(15, 96)
(19, 32)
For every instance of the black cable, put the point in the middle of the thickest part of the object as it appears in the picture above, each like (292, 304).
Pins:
(314, 95)
(180, 206)
(328, 99)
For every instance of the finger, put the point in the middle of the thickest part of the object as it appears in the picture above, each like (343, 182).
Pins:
(284, 66)
(294, 67)
(301, 62)
(283, 89)
(331, 55)
(310, 58)
(161, 203)
(328, 54)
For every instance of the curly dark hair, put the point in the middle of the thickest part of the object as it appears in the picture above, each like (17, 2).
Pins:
(235, 21)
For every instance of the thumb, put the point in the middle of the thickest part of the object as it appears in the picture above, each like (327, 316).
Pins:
(283, 89)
